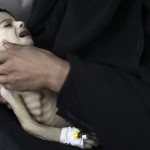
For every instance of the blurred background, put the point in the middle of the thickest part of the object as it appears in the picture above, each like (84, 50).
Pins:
(19, 8)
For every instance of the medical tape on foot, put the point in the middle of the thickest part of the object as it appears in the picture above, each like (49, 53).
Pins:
(70, 136)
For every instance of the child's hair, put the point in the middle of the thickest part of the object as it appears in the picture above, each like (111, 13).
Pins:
(5, 10)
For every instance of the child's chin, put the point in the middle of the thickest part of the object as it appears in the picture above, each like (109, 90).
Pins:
(27, 42)
(30, 43)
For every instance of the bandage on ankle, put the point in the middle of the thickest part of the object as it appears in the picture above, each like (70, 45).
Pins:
(71, 136)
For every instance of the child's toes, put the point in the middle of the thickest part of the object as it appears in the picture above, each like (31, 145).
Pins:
(92, 140)
(87, 146)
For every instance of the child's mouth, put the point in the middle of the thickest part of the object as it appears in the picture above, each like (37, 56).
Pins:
(24, 33)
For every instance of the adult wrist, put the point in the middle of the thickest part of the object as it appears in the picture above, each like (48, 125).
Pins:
(58, 75)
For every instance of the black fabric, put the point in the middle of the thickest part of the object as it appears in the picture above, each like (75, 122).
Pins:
(12, 137)
(95, 31)
(108, 87)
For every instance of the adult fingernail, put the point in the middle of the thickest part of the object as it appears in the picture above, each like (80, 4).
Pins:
(5, 42)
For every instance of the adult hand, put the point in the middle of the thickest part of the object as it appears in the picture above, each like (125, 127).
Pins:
(27, 68)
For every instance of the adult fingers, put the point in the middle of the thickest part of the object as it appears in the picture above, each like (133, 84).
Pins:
(3, 56)
(9, 86)
(5, 69)
(3, 79)
(14, 87)
(11, 46)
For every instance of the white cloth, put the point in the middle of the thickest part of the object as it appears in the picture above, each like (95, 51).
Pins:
(67, 137)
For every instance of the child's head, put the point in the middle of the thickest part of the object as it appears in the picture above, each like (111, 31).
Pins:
(12, 30)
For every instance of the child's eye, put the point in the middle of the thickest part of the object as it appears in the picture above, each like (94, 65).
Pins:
(7, 25)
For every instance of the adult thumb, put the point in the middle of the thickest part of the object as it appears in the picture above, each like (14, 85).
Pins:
(10, 46)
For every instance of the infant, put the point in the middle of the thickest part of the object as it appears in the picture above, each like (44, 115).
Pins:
(36, 111)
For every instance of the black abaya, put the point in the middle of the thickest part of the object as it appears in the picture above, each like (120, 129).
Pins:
(107, 44)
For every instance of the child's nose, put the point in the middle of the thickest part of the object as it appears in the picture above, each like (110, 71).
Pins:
(20, 24)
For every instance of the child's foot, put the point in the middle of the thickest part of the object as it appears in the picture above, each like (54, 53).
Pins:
(91, 141)
(73, 136)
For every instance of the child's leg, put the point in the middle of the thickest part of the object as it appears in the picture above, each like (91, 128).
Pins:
(26, 121)
(63, 135)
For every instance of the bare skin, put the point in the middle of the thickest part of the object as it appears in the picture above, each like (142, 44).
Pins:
(28, 68)
(51, 131)
(28, 77)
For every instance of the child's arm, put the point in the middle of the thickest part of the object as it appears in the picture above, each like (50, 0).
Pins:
(42, 106)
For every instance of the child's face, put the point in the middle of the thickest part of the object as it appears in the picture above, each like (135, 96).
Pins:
(13, 31)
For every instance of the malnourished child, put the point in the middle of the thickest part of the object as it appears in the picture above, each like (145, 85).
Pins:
(36, 111)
